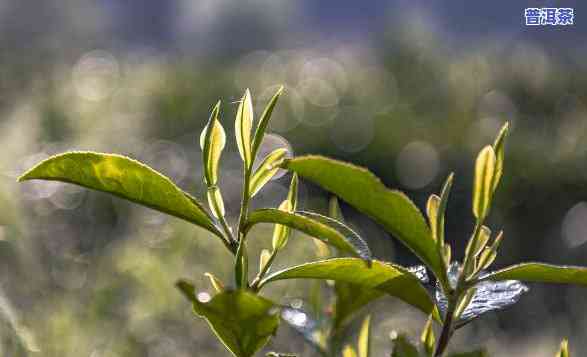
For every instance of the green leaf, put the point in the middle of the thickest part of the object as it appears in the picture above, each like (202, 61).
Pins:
(215, 202)
(264, 122)
(243, 321)
(215, 282)
(266, 170)
(241, 266)
(264, 259)
(306, 225)
(402, 347)
(242, 128)
(432, 211)
(499, 148)
(483, 184)
(564, 349)
(391, 279)
(212, 142)
(364, 343)
(363, 190)
(427, 338)
(281, 232)
(541, 273)
(442, 209)
(349, 351)
(125, 178)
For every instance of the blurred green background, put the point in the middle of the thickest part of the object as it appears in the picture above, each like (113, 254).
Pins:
(411, 91)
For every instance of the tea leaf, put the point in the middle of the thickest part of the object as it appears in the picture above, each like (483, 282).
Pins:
(363, 190)
(499, 148)
(364, 343)
(306, 225)
(432, 212)
(212, 142)
(564, 349)
(267, 169)
(281, 232)
(125, 178)
(442, 208)
(215, 202)
(402, 347)
(541, 273)
(215, 282)
(243, 321)
(483, 184)
(427, 338)
(349, 351)
(264, 258)
(242, 128)
(464, 303)
(391, 279)
(264, 122)
(483, 238)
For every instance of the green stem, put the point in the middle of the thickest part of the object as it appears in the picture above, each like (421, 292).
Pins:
(447, 327)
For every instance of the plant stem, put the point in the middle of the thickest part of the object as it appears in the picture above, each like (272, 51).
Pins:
(447, 327)
(244, 204)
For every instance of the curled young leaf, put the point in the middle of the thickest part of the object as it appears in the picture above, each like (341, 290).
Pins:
(243, 321)
(432, 211)
(499, 148)
(364, 343)
(427, 337)
(267, 169)
(564, 349)
(264, 122)
(483, 184)
(212, 142)
(242, 127)
(281, 232)
(125, 178)
(215, 282)
(216, 202)
(264, 259)
(480, 243)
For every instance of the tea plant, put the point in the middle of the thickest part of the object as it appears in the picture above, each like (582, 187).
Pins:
(239, 315)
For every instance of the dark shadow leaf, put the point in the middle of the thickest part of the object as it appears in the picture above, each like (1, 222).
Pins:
(243, 321)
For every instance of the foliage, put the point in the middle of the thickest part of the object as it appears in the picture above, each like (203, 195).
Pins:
(243, 319)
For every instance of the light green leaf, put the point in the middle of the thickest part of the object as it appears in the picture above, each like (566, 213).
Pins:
(266, 170)
(242, 127)
(364, 343)
(215, 282)
(481, 242)
(499, 148)
(215, 202)
(306, 225)
(541, 273)
(281, 232)
(427, 338)
(264, 259)
(125, 178)
(264, 122)
(363, 190)
(349, 351)
(402, 347)
(243, 321)
(212, 142)
(483, 184)
(442, 208)
(564, 349)
(432, 211)
(391, 279)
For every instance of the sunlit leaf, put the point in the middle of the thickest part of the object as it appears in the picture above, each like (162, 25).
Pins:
(464, 302)
(215, 282)
(281, 232)
(499, 148)
(242, 128)
(483, 184)
(391, 279)
(267, 169)
(125, 178)
(264, 259)
(402, 347)
(564, 349)
(480, 243)
(215, 202)
(243, 321)
(306, 225)
(363, 190)
(264, 122)
(427, 337)
(212, 142)
(541, 273)
(364, 343)
(442, 209)
(349, 351)
(432, 212)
